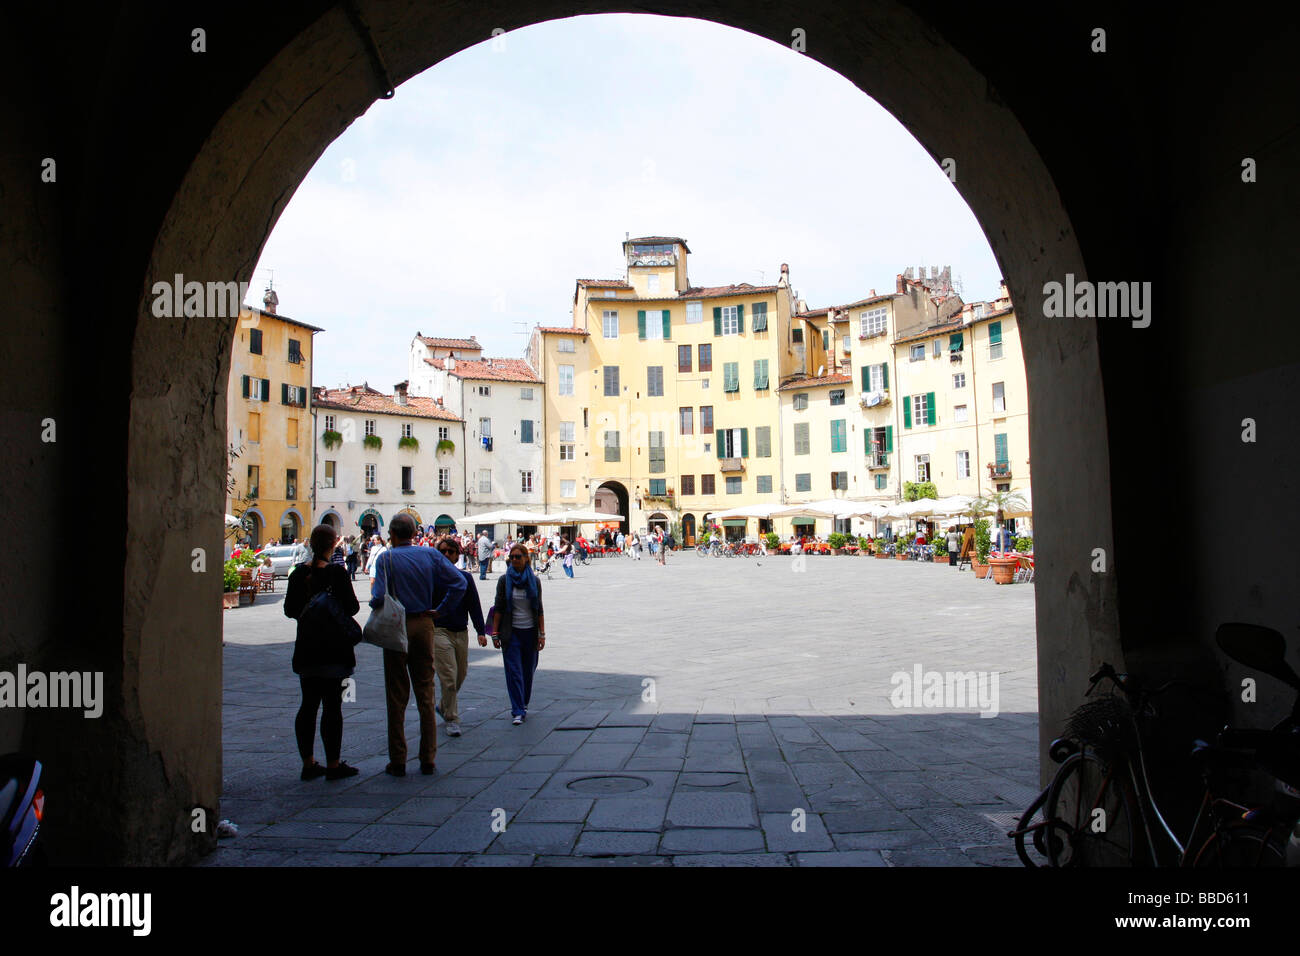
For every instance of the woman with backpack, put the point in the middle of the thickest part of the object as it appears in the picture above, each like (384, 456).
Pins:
(322, 654)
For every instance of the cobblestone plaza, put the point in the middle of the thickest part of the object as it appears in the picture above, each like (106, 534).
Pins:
(710, 712)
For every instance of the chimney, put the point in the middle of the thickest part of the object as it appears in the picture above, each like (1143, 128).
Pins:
(899, 285)
(873, 293)
(270, 300)
(449, 363)
(400, 389)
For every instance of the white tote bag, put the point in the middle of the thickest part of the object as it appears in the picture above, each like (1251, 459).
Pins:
(386, 627)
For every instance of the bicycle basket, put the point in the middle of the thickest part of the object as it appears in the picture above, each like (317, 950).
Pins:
(1106, 726)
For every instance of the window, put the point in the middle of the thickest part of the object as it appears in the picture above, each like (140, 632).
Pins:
(444, 433)
(706, 484)
(566, 441)
(688, 484)
(370, 477)
(295, 395)
(568, 488)
(257, 389)
(485, 428)
(760, 374)
(484, 390)
(291, 483)
(875, 378)
(484, 481)
(686, 421)
(995, 341)
(882, 482)
(733, 485)
(730, 320)
(609, 323)
(526, 432)
(564, 345)
(652, 283)
(922, 468)
(255, 341)
(803, 482)
(369, 427)
(1000, 452)
(760, 316)
(694, 313)
(938, 349)
(959, 380)
(659, 487)
(918, 352)
(837, 396)
(999, 397)
(526, 394)
(611, 379)
(919, 409)
(683, 358)
(254, 427)
(731, 376)
(733, 443)
(963, 464)
(329, 423)
(839, 481)
(656, 441)
(801, 438)
(254, 479)
(873, 321)
(566, 379)
(291, 432)
(801, 401)
(960, 413)
(839, 435)
(846, 344)
(406, 430)
(706, 358)
(584, 418)
(408, 478)
(654, 387)
(526, 482)
(704, 383)
(763, 442)
(295, 352)
(444, 479)
(763, 484)
(706, 420)
(611, 446)
(796, 336)
(826, 340)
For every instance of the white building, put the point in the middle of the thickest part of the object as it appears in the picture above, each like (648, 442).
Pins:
(379, 454)
(501, 403)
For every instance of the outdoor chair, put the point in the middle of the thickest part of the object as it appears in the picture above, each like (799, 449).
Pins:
(266, 580)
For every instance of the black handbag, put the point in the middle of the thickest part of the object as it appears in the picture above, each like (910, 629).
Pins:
(324, 622)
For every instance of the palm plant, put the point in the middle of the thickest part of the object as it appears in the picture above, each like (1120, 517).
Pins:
(1001, 501)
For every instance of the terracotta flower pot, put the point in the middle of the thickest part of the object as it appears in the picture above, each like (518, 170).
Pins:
(979, 569)
(229, 599)
(1004, 570)
(900, 557)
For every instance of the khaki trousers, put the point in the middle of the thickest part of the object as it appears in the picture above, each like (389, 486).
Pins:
(451, 661)
(402, 672)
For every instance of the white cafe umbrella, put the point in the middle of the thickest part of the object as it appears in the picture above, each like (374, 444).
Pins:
(585, 516)
(507, 516)
(233, 522)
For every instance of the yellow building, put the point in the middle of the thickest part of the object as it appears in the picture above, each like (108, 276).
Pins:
(662, 405)
(269, 424)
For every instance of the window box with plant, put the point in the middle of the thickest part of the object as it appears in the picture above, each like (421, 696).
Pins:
(407, 441)
(373, 441)
(331, 439)
(445, 445)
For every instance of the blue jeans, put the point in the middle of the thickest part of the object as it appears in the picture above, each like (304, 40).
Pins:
(483, 565)
(520, 657)
(567, 569)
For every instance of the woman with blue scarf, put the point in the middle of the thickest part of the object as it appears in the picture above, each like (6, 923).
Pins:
(519, 629)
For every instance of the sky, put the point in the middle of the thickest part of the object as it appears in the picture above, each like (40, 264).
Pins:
(472, 201)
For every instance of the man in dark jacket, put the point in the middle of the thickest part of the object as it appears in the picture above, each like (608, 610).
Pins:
(451, 642)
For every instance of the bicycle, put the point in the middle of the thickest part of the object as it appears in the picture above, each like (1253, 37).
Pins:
(1099, 808)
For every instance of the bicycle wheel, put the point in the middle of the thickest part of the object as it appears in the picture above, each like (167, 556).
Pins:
(1242, 845)
(1091, 814)
(1027, 825)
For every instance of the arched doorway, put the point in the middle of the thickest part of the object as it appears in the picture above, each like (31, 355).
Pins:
(688, 530)
(333, 519)
(658, 520)
(419, 523)
(612, 498)
(255, 525)
(444, 524)
(290, 526)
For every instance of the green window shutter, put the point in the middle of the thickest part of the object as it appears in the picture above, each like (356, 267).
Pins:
(889, 438)
(284, 393)
(929, 408)
(266, 389)
(907, 411)
(884, 375)
(245, 383)
(668, 324)
(740, 319)
(955, 342)
(640, 323)
(718, 443)
(995, 333)
(866, 378)
(744, 443)
(717, 320)
(866, 440)
(1000, 448)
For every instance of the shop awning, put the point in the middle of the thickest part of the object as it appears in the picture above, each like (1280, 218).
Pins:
(734, 522)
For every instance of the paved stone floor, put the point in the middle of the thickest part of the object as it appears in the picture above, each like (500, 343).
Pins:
(716, 711)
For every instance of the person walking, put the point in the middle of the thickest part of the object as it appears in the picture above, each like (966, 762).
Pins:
(566, 556)
(451, 642)
(954, 542)
(322, 662)
(429, 588)
(484, 555)
(621, 541)
(352, 559)
(661, 547)
(519, 629)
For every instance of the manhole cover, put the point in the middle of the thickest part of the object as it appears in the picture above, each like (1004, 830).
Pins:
(612, 784)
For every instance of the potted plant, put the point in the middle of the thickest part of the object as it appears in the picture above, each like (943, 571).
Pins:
(836, 541)
(331, 439)
(373, 441)
(445, 445)
(1024, 545)
(881, 548)
(773, 540)
(409, 441)
(230, 583)
(983, 545)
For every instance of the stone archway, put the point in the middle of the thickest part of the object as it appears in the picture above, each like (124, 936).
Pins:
(622, 502)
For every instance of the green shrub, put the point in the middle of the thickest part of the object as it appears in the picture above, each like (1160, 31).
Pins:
(373, 441)
(445, 444)
(409, 441)
(983, 541)
(331, 438)
(247, 559)
(1024, 544)
(836, 540)
(773, 540)
(230, 575)
(864, 543)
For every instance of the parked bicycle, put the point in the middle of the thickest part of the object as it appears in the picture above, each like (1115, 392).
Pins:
(1100, 810)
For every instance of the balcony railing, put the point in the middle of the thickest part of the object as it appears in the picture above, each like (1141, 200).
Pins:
(999, 469)
(878, 459)
(731, 464)
(955, 357)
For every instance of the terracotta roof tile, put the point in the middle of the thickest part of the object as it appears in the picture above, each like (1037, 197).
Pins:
(369, 400)
(744, 288)
(501, 370)
(800, 383)
(606, 283)
(561, 331)
(449, 343)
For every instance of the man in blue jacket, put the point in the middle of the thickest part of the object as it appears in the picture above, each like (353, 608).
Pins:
(451, 642)
(429, 587)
